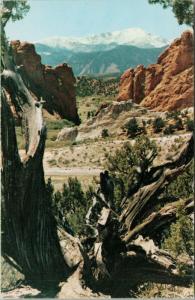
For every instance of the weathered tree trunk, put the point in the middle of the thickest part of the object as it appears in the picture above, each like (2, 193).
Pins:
(31, 240)
(30, 235)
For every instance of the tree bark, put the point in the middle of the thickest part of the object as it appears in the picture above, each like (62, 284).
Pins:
(30, 235)
(29, 230)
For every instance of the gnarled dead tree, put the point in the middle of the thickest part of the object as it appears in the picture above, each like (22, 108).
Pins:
(30, 239)
(123, 251)
(127, 252)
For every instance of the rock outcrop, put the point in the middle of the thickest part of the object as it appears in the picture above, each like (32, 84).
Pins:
(167, 85)
(113, 118)
(55, 85)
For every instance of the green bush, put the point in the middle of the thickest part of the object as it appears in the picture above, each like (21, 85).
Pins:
(71, 205)
(130, 164)
(105, 133)
(158, 124)
(169, 129)
(178, 124)
(182, 186)
(189, 125)
(132, 128)
(184, 113)
(149, 121)
(173, 115)
(180, 240)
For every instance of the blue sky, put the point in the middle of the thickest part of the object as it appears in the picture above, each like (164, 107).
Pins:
(48, 18)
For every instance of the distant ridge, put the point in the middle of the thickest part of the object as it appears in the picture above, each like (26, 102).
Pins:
(106, 41)
(107, 53)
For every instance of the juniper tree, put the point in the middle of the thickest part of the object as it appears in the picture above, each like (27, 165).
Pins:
(182, 9)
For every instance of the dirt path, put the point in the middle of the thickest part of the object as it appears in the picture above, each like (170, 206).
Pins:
(74, 171)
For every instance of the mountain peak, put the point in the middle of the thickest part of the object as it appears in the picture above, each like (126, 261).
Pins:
(130, 36)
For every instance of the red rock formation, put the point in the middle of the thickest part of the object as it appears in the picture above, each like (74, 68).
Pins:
(139, 79)
(126, 85)
(55, 85)
(167, 85)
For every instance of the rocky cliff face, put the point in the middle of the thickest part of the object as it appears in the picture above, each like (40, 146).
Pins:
(55, 85)
(167, 85)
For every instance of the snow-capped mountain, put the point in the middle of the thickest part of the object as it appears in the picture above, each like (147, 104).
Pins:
(106, 41)
(106, 53)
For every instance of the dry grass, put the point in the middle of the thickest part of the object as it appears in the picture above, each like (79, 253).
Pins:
(10, 277)
(90, 153)
(156, 290)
